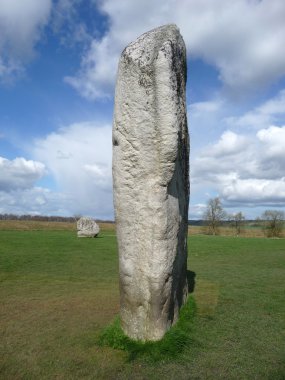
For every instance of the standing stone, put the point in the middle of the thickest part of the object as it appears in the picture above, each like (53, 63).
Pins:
(87, 227)
(151, 182)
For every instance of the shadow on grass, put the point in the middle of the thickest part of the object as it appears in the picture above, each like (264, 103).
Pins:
(191, 280)
(169, 347)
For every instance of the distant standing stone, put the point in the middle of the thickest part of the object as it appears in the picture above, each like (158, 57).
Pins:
(87, 227)
(151, 182)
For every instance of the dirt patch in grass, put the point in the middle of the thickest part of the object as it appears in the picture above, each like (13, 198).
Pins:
(207, 297)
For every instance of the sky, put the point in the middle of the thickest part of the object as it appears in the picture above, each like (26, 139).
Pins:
(58, 65)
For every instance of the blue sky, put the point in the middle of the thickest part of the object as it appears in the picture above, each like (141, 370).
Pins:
(58, 63)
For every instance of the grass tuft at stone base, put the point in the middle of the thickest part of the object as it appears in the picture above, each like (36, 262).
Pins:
(169, 347)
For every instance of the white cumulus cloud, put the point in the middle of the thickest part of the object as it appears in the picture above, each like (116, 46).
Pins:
(274, 140)
(21, 23)
(199, 108)
(255, 191)
(242, 39)
(244, 169)
(267, 113)
(19, 173)
(229, 144)
(35, 201)
(197, 210)
(80, 159)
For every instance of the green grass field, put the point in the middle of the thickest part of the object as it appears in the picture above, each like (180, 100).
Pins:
(58, 293)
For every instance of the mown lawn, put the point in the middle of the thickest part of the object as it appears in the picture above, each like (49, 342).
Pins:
(57, 294)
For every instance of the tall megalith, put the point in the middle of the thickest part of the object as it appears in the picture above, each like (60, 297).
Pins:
(151, 181)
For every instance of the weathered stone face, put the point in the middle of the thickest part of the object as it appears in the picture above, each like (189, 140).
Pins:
(151, 181)
(87, 227)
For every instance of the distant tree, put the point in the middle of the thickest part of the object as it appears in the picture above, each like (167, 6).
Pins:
(273, 222)
(214, 215)
(238, 222)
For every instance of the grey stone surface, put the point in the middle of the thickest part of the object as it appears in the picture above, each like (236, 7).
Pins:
(151, 181)
(87, 227)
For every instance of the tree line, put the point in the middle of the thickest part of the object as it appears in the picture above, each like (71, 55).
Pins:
(271, 221)
(39, 218)
(45, 218)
